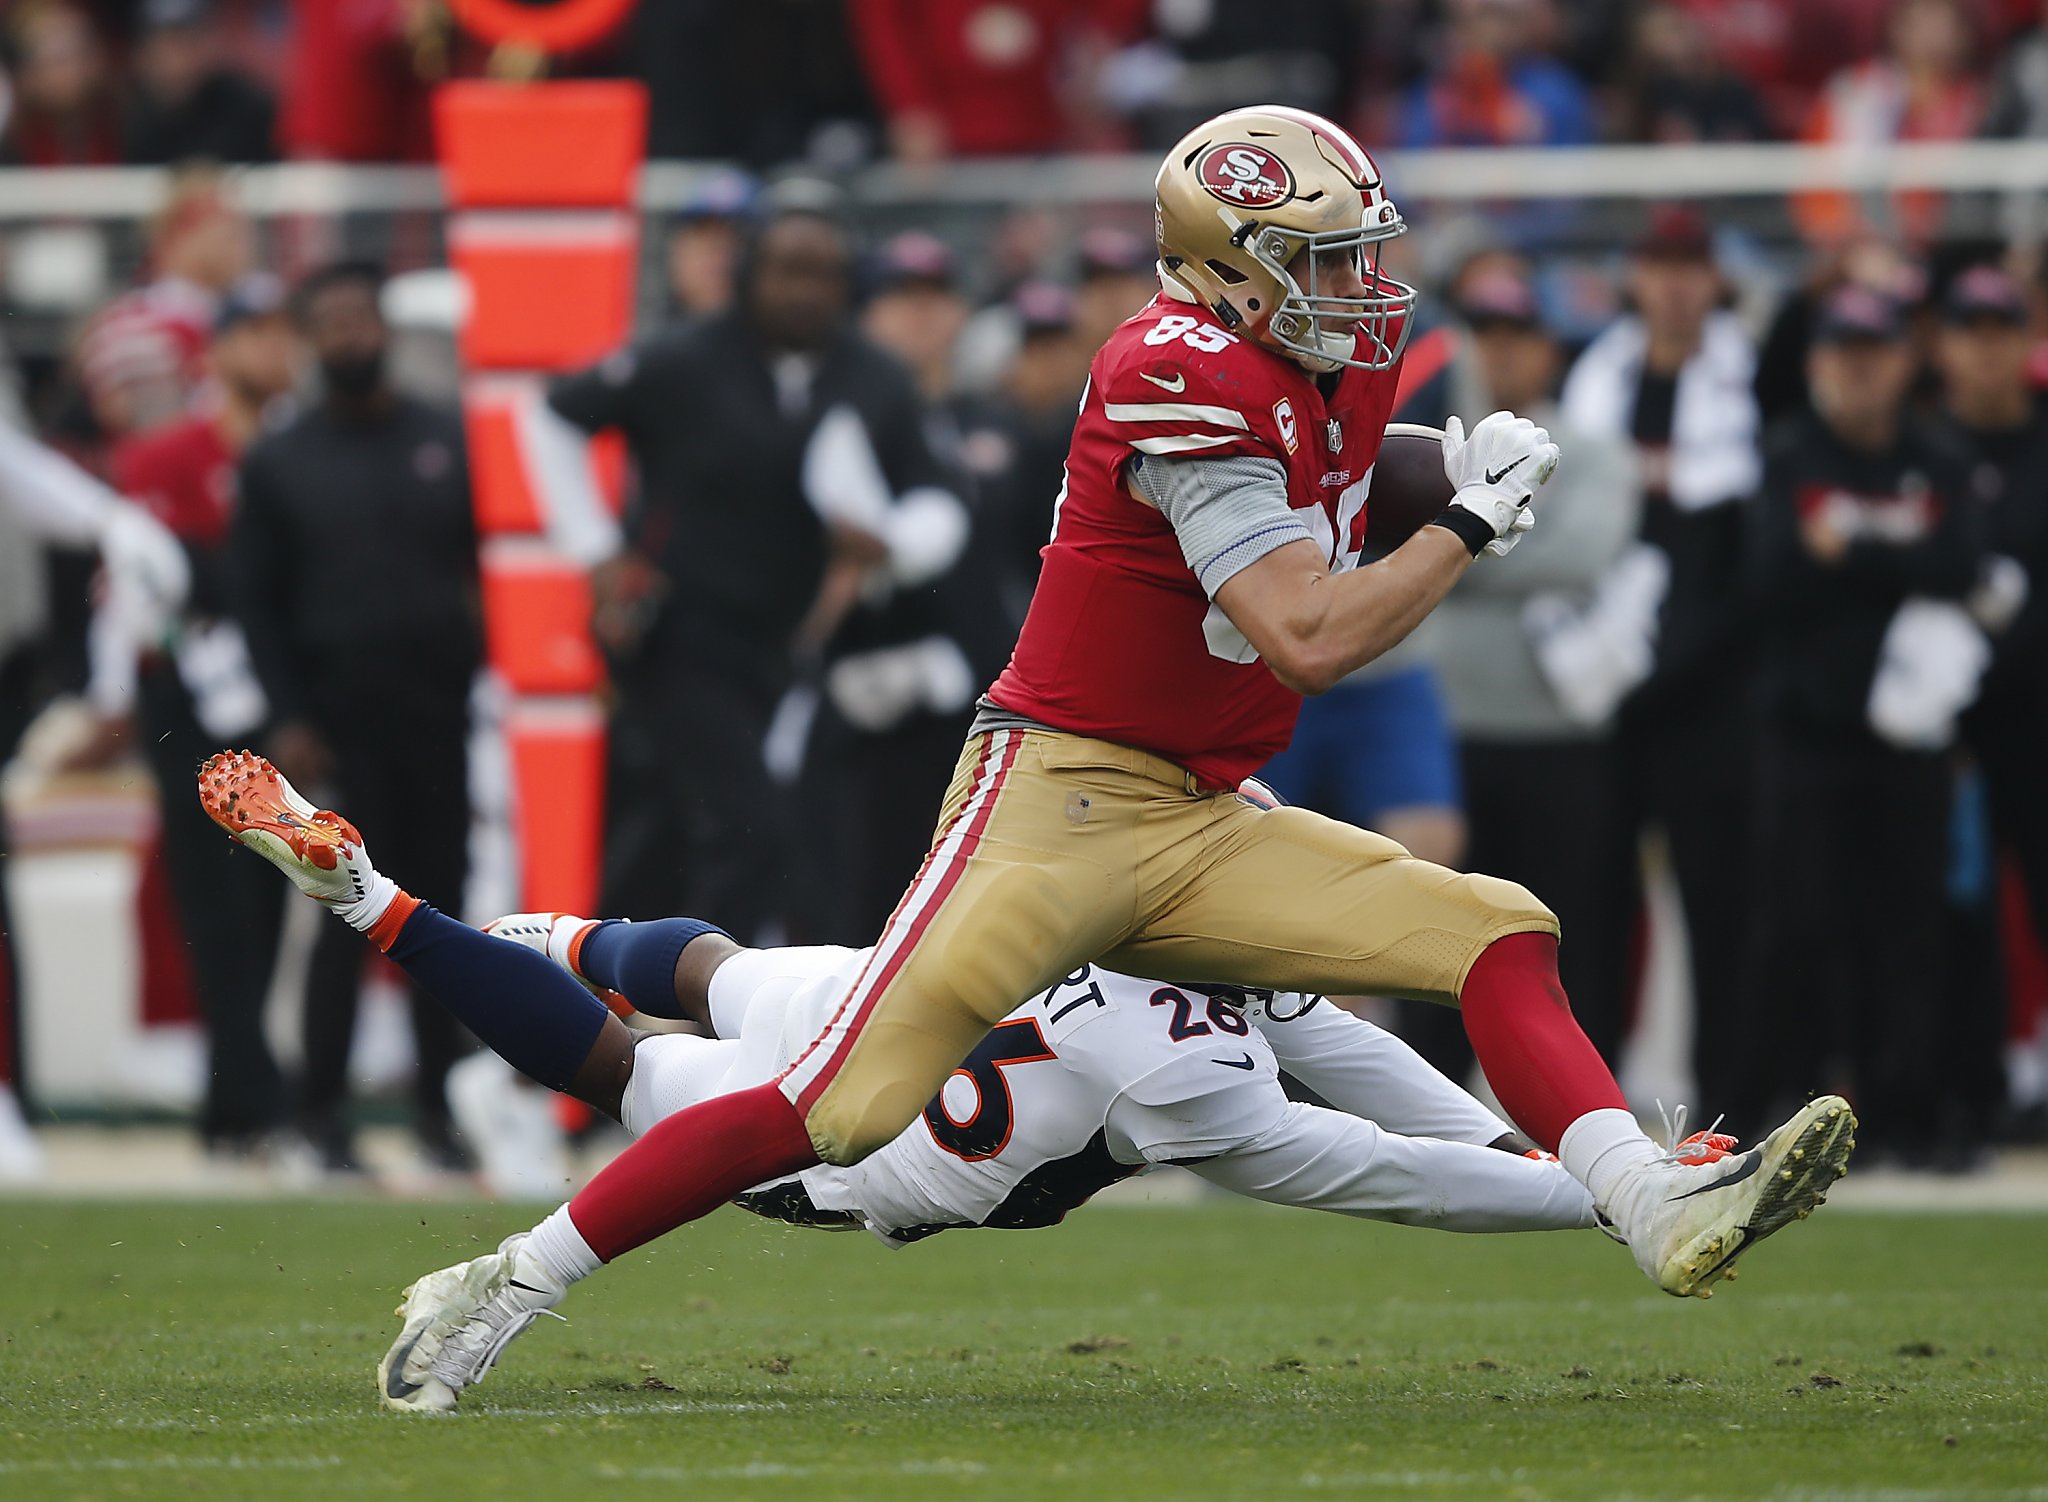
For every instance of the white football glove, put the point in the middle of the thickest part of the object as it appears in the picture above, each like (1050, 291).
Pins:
(1495, 470)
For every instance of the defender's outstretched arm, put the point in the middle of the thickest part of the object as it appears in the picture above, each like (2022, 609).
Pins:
(1316, 1159)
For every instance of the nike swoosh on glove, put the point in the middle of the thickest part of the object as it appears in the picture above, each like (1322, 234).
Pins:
(1496, 469)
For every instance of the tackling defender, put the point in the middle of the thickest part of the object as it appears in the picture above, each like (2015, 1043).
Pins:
(1204, 571)
(1089, 1083)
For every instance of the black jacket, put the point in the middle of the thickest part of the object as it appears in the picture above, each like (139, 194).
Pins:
(355, 558)
(720, 504)
(1822, 624)
(2009, 483)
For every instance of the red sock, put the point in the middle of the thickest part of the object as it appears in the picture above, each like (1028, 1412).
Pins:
(690, 1164)
(1545, 1071)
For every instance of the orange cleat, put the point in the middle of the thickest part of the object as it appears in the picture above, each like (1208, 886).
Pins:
(317, 848)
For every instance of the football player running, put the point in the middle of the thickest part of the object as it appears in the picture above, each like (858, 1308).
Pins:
(1098, 1078)
(1203, 573)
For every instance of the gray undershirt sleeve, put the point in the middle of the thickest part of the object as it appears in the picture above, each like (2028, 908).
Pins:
(1228, 513)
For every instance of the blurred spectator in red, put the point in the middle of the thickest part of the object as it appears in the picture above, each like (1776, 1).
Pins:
(704, 244)
(65, 113)
(2019, 92)
(1678, 87)
(185, 101)
(988, 77)
(1492, 87)
(1117, 279)
(140, 357)
(357, 80)
(1787, 49)
(1920, 88)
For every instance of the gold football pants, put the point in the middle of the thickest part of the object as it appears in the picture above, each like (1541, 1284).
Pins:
(1056, 850)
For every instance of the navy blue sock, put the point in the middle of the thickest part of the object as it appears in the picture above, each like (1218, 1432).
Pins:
(638, 960)
(526, 1009)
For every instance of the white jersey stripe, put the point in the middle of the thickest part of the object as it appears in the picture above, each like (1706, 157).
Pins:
(807, 1078)
(1223, 417)
(1182, 443)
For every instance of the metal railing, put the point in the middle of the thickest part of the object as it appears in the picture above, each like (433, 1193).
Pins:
(1423, 177)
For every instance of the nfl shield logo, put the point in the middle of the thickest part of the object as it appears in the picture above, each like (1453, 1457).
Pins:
(1333, 435)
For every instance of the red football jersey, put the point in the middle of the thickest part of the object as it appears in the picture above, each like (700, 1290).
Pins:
(1121, 643)
(183, 474)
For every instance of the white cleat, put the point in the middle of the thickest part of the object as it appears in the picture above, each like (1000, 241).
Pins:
(458, 1321)
(317, 848)
(1687, 1222)
(558, 936)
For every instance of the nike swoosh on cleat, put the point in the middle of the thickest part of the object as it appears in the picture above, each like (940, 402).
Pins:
(1248, 1063)
(1177, 385)
(1494, 477)
(395, 1385)
(1751, 1163)
(528, 1287)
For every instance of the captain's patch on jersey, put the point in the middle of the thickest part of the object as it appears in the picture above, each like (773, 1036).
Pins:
(1283, 414)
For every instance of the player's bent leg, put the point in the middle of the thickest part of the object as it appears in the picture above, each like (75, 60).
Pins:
(1015, 890)
(523, 1008)
(1288, 899)
(1356, 913)
(629, 966)
(1012, 896)
(1360, 914)
(1318, 1159)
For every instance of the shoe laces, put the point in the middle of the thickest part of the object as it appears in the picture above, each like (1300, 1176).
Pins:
(472, 1348)
(1697, 1149)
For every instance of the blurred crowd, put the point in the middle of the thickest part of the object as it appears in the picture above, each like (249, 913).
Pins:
(1776, 630)
(1778, 640)
(94, 82)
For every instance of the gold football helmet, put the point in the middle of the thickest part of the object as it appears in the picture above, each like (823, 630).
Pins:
(1238, 202)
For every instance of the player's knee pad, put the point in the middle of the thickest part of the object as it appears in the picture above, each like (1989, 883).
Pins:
(1513, 907)
(846, 1125)
(901, 1060)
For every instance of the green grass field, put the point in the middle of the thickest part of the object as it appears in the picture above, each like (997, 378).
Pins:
(175, 1350)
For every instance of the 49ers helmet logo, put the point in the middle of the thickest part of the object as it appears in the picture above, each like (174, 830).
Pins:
(1246, 176)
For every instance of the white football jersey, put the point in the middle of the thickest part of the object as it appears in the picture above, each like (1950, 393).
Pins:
(1081, 1086)
(1094, 1080)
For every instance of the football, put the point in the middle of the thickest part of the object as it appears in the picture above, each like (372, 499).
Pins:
(1409, 487)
